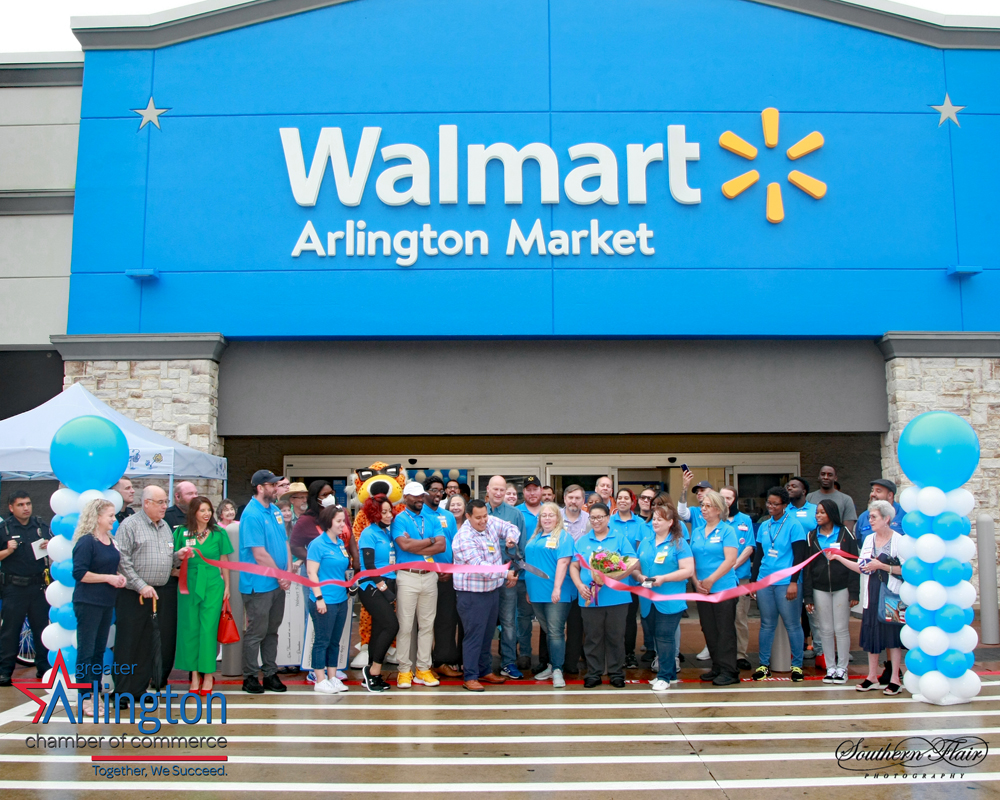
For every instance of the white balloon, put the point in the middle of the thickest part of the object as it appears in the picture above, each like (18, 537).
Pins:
(934, 686)
(912, 682)
(931, 595)
(930, 548)
(962, 594)
(88, 496)
(60, 548)
(453, 474)
(906, 548)
(931, 501)
(933, 640)
(421, 476)
(113, 497)
(962, 548)
(909, 638)
(55, 636)
(966, 686)
(437, 474)
(964, 639)
(908, 498)
(908, 593)
(961, 501)
(108, 683)
(64, 501)
(58, 594)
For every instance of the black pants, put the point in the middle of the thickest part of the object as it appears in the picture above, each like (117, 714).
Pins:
(20, 602)
(385, 626)
(631, 626)
(479, 612)
(166, 607)
(447, 627)
(604, 639)
(93, 623)
(574, 639)
(718, 624)
(135, 635)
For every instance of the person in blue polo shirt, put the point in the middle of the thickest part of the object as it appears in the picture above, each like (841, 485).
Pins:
(781, 543)
(262, 541)
(635, 529)
(417, 541)
(667, 562)
(715, 545)
(496, 506)
(446, 655)
(532, 493)
(882, 489)
(377, 594)
(327, 558)
(602, 609)
(745, 539)
(804, 513)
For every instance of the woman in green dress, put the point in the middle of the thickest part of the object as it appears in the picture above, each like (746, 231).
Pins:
(198, 611)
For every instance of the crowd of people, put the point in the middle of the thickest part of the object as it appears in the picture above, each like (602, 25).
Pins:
(440, 622)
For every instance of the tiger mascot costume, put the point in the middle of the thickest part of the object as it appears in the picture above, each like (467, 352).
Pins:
(379, 478)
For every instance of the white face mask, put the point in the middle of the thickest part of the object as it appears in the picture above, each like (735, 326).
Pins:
(329, 500)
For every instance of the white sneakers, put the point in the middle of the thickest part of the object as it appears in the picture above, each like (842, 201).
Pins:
(558, 681)
(545, 674)
(361, 659)
(329, 686)
(390, 656)
(704, 655)
(659, 686)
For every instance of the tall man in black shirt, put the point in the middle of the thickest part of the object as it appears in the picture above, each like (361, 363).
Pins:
(23, 585)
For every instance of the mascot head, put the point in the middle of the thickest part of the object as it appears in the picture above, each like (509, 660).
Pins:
(380, 478)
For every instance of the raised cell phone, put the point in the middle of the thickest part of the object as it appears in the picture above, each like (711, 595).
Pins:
(684, 468)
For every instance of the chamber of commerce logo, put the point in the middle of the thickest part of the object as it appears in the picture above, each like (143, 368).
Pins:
(775, 212)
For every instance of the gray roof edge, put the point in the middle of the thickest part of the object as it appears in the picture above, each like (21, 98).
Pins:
(940, 344)
(140, 346)
(147, 31)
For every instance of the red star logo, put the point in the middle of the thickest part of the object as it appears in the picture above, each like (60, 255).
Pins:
(60, 666)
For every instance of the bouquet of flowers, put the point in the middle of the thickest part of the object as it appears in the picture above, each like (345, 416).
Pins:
(611, 564)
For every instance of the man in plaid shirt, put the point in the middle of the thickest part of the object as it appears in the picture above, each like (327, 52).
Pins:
(482, 539)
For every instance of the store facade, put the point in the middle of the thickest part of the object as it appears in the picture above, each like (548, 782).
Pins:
(559, 237)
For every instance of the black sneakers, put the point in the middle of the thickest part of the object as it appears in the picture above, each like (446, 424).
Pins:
(631, 662)
(273, 684)
(252, 685)
(5, 680)
(373, 683)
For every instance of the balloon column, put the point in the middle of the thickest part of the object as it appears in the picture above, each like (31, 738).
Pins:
(88, 454)
(938, 451)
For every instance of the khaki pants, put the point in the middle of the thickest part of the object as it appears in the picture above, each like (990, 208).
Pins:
(416, 601)
(742, 623)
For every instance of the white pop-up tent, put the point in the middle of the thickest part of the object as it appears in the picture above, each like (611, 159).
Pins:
(25, 440)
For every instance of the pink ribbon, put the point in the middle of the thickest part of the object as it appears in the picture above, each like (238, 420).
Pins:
(719, 597)
(280, 574)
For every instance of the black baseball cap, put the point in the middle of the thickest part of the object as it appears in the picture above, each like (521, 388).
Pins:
(703, 485)
(884, 482)
(532, 480)
(263, 477)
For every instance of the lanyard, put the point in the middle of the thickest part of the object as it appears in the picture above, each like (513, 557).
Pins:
(772, 537)
(417, 519)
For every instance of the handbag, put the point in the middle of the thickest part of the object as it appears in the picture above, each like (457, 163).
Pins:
(891, 609)
(228, 632)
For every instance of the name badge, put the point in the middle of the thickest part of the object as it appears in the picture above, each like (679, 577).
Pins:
(277, 516)
(551, 543)
(660, 558)
(429, 558)
(190, 541)
(742, 527)
(715, 539)
(772, 553)
(343, 550)
(802, 513)
(444, 524)
(392, 556)
(491, 548)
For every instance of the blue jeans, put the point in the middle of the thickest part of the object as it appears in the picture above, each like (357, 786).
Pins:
(525, 614)
(478, 613)
(666, 634)
(328, 628)
(508, 626)
(93, 624)
(771, 602)
(552, 620)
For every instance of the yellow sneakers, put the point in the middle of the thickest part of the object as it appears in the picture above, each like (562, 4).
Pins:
(403, 680)
(426, 678)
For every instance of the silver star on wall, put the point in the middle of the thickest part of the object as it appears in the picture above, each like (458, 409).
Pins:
(948, 111)
(149, 114)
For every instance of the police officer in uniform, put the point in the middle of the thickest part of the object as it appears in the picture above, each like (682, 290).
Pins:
(23, 585)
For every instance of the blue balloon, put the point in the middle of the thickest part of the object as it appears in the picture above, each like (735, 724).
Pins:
(948, 526)
(952, 663)
(939, 449)
(90, 452)
(67, 525)
(69, 657)
(947, 571)
(970, 660)
(966, 525)
(970, 616)
(918, 617)
(918, 662)
(62, 571)
(966, 571)
(67, 617)
(114, 527)
(109, 658)
(915, 524)
(916, 571)
(950, 618)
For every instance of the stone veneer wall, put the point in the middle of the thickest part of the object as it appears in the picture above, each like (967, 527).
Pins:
(969, 387)
(178, 399)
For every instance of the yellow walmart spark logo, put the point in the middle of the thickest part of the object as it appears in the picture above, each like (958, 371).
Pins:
(775, 207)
